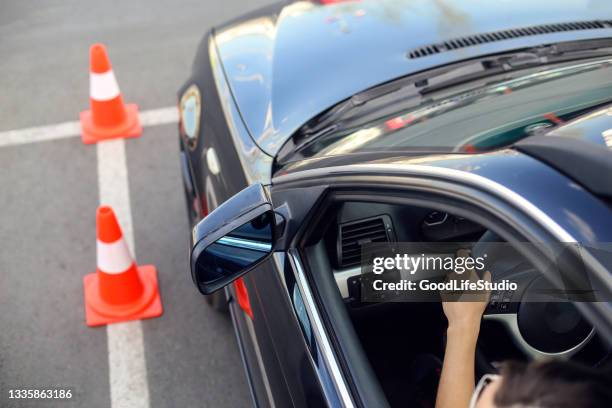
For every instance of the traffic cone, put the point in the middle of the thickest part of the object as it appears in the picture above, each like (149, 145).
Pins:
(119, 290)
(108, 117)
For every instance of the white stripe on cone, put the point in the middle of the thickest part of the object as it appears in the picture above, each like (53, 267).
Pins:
(103, 87)
(113, 258)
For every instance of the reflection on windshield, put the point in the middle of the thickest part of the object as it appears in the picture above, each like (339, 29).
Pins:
(481, 119)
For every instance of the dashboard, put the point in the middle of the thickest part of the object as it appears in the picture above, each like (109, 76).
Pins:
(359, 223)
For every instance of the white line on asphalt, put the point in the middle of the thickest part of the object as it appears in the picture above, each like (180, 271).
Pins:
(126, 359)
(64, 130)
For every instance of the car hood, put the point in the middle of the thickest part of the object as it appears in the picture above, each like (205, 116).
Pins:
(289, 63)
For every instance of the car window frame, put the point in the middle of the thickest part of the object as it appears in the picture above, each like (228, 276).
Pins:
(369, 182)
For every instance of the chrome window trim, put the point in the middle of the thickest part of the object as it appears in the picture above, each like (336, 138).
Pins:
(324, 343)
(462, 178)
(458, 176)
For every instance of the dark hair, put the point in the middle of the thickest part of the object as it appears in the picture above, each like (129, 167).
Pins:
(553, 384)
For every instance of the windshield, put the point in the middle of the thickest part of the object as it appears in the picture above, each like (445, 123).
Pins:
(478, 119)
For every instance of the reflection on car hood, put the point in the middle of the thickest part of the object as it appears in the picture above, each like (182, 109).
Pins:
(287, 65)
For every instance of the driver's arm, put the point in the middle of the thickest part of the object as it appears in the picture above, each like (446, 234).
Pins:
(457, 378)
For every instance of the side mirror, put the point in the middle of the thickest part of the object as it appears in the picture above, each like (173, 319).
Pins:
(233, 239)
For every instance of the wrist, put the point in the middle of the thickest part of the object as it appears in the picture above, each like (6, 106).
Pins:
(464, 330)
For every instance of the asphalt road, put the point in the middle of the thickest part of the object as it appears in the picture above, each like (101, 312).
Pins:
(49, 193)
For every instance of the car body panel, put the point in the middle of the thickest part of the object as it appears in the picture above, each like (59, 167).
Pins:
(279, 358)
(274, 377)
(286, 67)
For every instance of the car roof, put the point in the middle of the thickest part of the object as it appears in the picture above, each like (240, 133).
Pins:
(287, 64)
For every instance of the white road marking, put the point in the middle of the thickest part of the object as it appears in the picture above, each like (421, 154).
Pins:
(126, 359)
(64, 130)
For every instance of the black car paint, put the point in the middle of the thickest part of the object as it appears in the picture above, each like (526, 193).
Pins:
(277, 362)
(288, 64)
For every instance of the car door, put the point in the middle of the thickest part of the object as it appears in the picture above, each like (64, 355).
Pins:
(501, 196)
(299, 321)
(274, 341)
(288, 357)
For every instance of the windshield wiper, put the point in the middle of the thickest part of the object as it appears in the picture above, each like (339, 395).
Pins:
(344, 114)
(528, 58)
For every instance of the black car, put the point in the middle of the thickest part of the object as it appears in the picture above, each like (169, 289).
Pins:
(311, 130)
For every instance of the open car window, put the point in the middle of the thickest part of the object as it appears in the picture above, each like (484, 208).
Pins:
(403, 338)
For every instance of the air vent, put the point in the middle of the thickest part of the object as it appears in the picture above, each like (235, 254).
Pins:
(478, 39)
(352, 235)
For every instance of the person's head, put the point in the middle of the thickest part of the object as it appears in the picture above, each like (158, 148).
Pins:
(552, 384)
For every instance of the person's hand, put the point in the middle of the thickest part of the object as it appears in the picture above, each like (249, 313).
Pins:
(464, 312)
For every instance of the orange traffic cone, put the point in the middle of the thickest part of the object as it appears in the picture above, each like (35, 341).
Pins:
(108, 117)
(119, 290)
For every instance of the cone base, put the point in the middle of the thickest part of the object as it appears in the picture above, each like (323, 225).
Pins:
(130, 127)
(148, 305)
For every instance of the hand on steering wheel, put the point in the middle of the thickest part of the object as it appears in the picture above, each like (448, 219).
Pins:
(465, 311)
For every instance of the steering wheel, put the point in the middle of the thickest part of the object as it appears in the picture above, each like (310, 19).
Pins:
(540, 329)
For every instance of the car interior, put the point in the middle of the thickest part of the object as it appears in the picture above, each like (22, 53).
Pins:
(404, 341)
